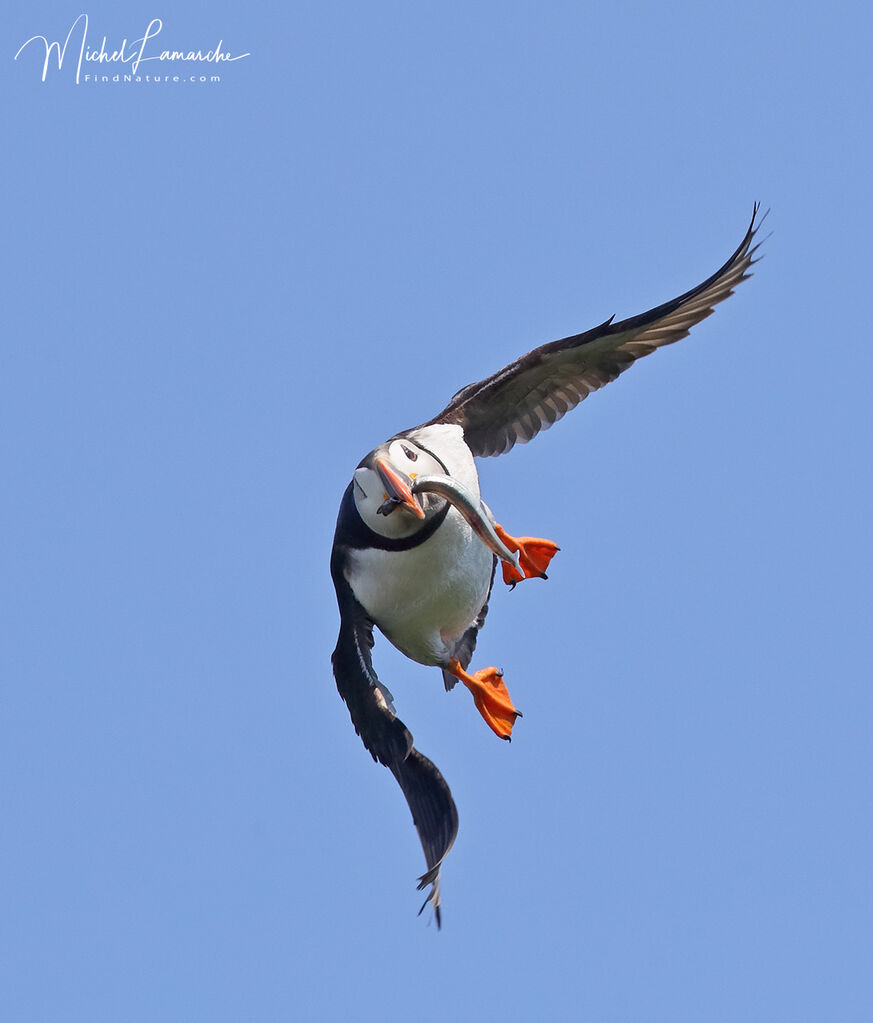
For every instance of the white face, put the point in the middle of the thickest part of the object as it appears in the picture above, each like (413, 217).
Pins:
(407, 458)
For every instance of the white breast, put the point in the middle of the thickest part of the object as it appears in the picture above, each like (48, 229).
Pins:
(425, 598)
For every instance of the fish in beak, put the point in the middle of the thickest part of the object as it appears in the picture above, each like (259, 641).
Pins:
(398, 490)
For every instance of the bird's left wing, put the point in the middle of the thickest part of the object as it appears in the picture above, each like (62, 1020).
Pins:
(388, 740)
(535, 391)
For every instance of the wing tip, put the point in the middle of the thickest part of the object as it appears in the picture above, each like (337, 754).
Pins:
(432, 877)
(754, 227)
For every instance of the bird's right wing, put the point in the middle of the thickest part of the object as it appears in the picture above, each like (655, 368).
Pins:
(531, 394)
(388, 740)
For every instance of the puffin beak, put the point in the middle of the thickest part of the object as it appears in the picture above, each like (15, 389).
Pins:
(398, 487)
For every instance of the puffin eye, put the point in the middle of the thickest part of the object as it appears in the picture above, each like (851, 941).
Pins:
(410, 454)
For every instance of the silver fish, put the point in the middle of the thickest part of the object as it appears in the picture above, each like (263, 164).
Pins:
(473, 511)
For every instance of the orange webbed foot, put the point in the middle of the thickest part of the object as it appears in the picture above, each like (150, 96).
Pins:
(534, 555)
(491, 697)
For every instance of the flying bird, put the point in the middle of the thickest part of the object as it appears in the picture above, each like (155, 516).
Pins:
(416, 548)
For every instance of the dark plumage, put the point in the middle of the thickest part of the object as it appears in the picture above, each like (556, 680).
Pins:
(535, 391)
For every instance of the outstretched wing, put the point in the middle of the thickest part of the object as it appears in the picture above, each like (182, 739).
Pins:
(388, 739)
(535, 391)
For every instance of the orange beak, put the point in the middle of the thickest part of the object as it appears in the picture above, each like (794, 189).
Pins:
(398, 487)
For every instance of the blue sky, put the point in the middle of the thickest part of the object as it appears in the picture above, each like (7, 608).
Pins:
(219, 297)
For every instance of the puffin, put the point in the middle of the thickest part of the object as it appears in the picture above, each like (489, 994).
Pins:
(416, 548)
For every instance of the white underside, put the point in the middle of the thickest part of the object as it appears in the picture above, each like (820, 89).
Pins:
(426, 598)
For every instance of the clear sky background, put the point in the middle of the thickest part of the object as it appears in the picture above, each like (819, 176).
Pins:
(218, 298)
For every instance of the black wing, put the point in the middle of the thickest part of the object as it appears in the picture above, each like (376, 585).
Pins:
(514, 404)
(388, 739)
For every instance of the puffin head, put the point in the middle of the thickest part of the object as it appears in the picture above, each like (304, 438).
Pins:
(382, 488)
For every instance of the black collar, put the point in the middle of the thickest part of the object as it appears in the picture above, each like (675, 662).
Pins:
(352, 531)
